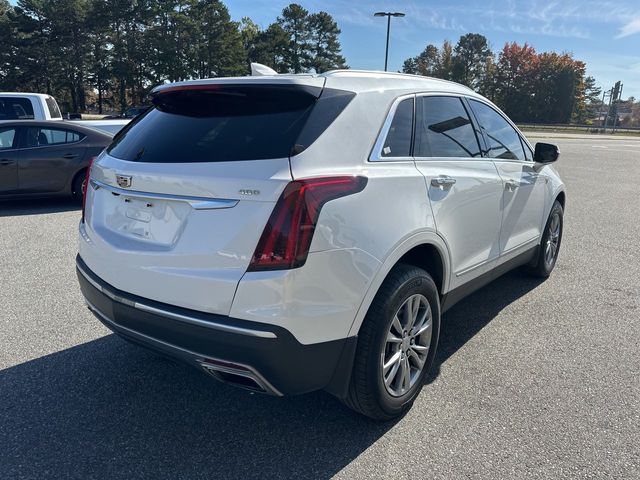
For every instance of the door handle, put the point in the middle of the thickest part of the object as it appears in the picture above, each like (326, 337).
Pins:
(511, 185)
(69, 156)
(4, 161)
(443, 182)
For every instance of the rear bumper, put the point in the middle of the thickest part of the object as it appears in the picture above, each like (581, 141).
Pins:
(268, 356)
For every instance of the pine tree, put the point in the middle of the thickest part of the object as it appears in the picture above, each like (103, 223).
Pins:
(324, 45)
(470, 60)
(295, 22)
(271, 47)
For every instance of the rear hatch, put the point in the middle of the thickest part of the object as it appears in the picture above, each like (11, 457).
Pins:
(177, 203)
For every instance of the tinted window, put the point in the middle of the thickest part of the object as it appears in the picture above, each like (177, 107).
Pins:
(504, 141)
(223, 124)
(443, 129)
(7, 137)
(40, 137)
(52, 105)
(528, 154)
(15, 108)
(398, 141)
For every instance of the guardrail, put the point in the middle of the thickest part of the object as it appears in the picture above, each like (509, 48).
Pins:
(577, 128)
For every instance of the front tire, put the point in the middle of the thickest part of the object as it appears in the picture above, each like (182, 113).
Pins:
(396, 345)
(547, 256)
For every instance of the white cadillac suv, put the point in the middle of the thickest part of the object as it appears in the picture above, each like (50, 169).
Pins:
(290, 233)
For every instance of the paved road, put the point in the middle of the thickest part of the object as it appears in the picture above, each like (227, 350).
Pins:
(532, 380)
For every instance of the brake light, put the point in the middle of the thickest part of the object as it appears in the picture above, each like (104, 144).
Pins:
(286, 238)
(85, 186)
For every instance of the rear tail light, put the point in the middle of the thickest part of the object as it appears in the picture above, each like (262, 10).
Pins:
(286, 238)
(85, 186)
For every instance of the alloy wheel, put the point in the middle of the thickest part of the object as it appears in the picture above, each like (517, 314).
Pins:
(407, 345)
(553, 240)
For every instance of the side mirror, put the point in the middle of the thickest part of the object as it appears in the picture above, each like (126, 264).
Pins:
(546, 153)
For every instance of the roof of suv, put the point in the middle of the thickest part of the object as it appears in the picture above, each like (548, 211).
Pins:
(354, 80)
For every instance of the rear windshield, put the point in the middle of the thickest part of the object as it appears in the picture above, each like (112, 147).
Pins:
(230, 123)
(16, 108)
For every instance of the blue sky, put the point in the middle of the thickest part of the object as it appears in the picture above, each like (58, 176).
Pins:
(605, 34)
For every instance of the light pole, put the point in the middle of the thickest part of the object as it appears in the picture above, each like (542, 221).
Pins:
(388, 15)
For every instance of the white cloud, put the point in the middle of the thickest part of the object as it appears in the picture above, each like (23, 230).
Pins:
(630, 28)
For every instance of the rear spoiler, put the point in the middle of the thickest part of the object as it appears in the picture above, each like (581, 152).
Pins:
(312, 84)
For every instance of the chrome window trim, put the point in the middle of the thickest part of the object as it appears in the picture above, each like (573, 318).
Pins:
(376, 152)
(197, 203)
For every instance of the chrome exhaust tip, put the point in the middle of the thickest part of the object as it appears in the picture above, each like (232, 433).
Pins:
(237, 375)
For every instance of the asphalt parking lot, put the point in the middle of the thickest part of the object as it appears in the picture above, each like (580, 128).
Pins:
(532, 380)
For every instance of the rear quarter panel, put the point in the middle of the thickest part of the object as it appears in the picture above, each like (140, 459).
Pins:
(384, 221)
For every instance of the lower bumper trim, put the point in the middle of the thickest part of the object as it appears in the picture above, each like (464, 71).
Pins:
(207, 363)
(249, 354)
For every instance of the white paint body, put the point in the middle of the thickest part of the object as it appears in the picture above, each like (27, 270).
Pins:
(198, 259)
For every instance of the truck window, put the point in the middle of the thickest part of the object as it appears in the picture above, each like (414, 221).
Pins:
(52, 105)
(16, 108)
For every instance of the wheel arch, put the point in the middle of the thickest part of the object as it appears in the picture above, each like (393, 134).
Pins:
(424, 250)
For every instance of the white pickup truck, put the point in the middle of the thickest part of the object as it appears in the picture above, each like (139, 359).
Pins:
(39, 106)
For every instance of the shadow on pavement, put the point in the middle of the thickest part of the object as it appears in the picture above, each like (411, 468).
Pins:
(106, 409)
(464, 320)
(10, 208)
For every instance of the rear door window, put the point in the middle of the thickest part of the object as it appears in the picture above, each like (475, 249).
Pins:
(8, 138)
(42, 137)
(504, 141)
(398, 141)
(443, 129)
(222, 124)
(16, 108)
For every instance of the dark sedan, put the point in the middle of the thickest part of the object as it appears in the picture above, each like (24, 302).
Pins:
(46, 158)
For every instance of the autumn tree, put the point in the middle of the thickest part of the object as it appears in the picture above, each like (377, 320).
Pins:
(515, 80)
(557, 88)
(529, 87)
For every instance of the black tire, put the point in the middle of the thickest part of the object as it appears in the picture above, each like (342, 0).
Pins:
(543, 265)
(368, 394)
(78, 185)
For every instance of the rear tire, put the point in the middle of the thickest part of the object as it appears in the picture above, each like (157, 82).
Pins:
(390, 345)
(545, 260)
(77, 187)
